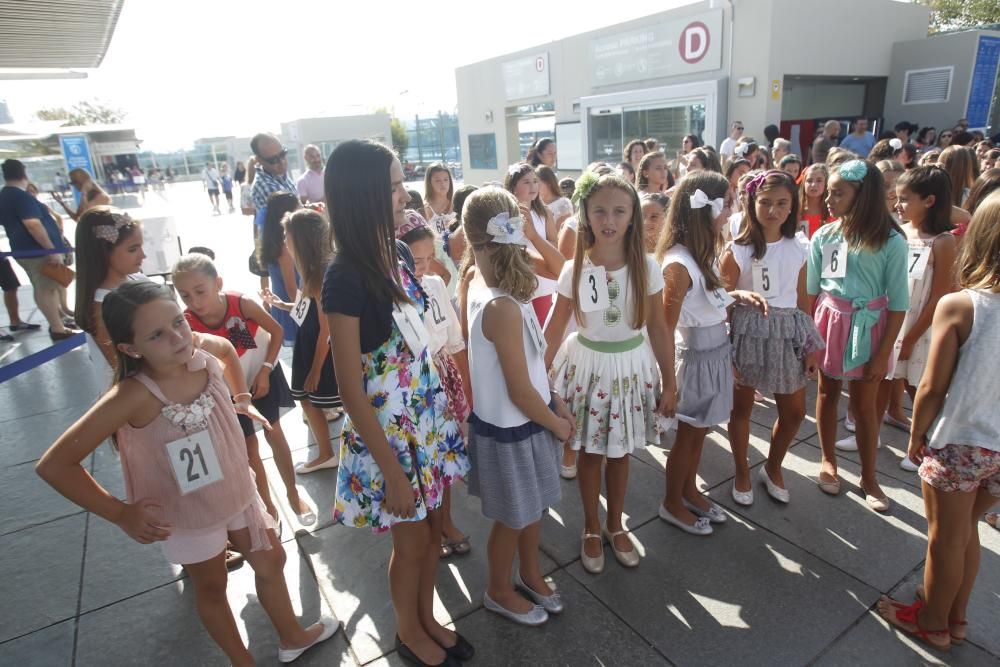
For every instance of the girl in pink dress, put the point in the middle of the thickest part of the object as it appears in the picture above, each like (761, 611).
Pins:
(172, 412)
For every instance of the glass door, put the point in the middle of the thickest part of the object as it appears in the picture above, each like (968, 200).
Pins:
(606, 134)
(668, 121)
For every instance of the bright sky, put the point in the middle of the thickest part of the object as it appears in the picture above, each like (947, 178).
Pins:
(185, 69)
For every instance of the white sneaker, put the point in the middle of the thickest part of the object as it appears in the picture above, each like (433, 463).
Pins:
(908, 465)
(850, 444)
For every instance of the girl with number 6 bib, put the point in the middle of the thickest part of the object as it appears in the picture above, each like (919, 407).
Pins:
(607, 372)
(857, 283)
(774, 354)
(187, 478)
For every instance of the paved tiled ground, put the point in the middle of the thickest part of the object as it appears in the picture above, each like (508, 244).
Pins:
(781, 585)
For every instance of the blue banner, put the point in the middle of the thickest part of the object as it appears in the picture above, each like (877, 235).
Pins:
(76, 153)
(984, 77)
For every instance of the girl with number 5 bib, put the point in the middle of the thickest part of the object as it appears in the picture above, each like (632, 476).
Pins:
(187, 478)
(857, 282)
(774, 354)
(607, 372)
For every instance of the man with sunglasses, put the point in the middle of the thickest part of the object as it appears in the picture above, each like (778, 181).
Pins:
(272, 170)
(727, 146)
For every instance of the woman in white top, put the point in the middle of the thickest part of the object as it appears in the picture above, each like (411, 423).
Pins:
(773, 354)
(559, 206)
(541, 232)
(955, 437)
(109, 252)
(696, 305)
(607, 372)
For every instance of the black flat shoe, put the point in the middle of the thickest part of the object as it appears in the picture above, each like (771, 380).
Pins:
(462, 650)
(409, 656)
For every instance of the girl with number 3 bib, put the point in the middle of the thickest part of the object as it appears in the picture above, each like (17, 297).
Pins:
(774, 354)
(607, 372)
(857, 282)
(187, 477)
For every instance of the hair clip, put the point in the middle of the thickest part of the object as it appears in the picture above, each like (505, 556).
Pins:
(111, 233)
(506, 229)
(583, 186)
(751, 187)
(853, 170)
(700, 200)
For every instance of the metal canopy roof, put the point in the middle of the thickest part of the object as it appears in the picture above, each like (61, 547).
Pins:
(56, 33)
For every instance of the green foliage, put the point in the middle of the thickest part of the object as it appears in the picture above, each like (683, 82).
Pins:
(400, 139)
(957, 14)
(87, 112)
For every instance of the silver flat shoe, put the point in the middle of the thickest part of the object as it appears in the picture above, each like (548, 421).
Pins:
(744, 498)
(592, 564)
(701, 527)
(714, 513)
(553, 604)
(773, 490)
(626, 558)
(536, 616)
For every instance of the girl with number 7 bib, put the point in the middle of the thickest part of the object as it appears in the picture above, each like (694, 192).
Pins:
(187, 477)
(607, 372)
(858, 287)
(777, 353)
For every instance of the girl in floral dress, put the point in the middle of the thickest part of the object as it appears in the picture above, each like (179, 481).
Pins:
(401, 445)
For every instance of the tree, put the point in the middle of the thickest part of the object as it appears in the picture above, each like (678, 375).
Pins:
(87, 112)
(400, 139)
(956, 14)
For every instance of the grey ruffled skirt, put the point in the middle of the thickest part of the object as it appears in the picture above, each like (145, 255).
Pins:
(769, 352)
(515, 471)
(704, 375)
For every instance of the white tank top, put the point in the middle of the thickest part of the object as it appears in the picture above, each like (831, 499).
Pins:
(966, 417)
(490, 399)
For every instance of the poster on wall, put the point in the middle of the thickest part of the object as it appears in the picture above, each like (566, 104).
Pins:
(569, 146)
(669, 48)
(76, 153)
(526, 77)
(984, 79)
(161, 245)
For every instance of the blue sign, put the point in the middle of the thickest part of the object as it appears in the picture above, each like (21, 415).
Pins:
(76, 153)
(984, 78)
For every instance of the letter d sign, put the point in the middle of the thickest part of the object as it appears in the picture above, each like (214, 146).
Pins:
(693, 44)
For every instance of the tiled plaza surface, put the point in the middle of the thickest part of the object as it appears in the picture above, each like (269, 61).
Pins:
(775, 585)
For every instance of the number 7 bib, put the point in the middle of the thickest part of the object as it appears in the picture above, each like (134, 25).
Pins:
(194, 462)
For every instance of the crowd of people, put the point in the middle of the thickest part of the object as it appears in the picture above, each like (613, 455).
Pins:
(541, 327)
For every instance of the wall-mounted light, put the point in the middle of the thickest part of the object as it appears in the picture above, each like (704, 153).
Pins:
(489, 116)
(746, 86)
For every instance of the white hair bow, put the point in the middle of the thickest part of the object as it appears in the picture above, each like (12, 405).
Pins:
(507, 230)
(741, 149)
(700, 200)
(896, 143)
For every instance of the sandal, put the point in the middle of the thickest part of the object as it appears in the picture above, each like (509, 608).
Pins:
(909, 614)
(992, 519)
(459, 547)
(233, 558)
(446, 551)
(952, 623)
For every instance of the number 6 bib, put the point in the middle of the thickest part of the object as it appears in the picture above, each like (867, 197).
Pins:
(194, 461)
(834, 260)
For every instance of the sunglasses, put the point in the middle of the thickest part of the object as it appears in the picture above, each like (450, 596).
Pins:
(277, 158)
(738, 127)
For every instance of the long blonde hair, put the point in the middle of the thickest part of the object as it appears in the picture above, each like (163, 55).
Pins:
(635, 252)
(510, 262)
(979, 260)
(694, 228)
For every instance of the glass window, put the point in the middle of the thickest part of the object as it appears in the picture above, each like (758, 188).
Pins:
(483, 151)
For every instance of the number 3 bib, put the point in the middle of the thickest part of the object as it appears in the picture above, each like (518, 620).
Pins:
(594, 289)
(194, 461)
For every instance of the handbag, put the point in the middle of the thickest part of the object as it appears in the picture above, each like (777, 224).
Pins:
(60, 273)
